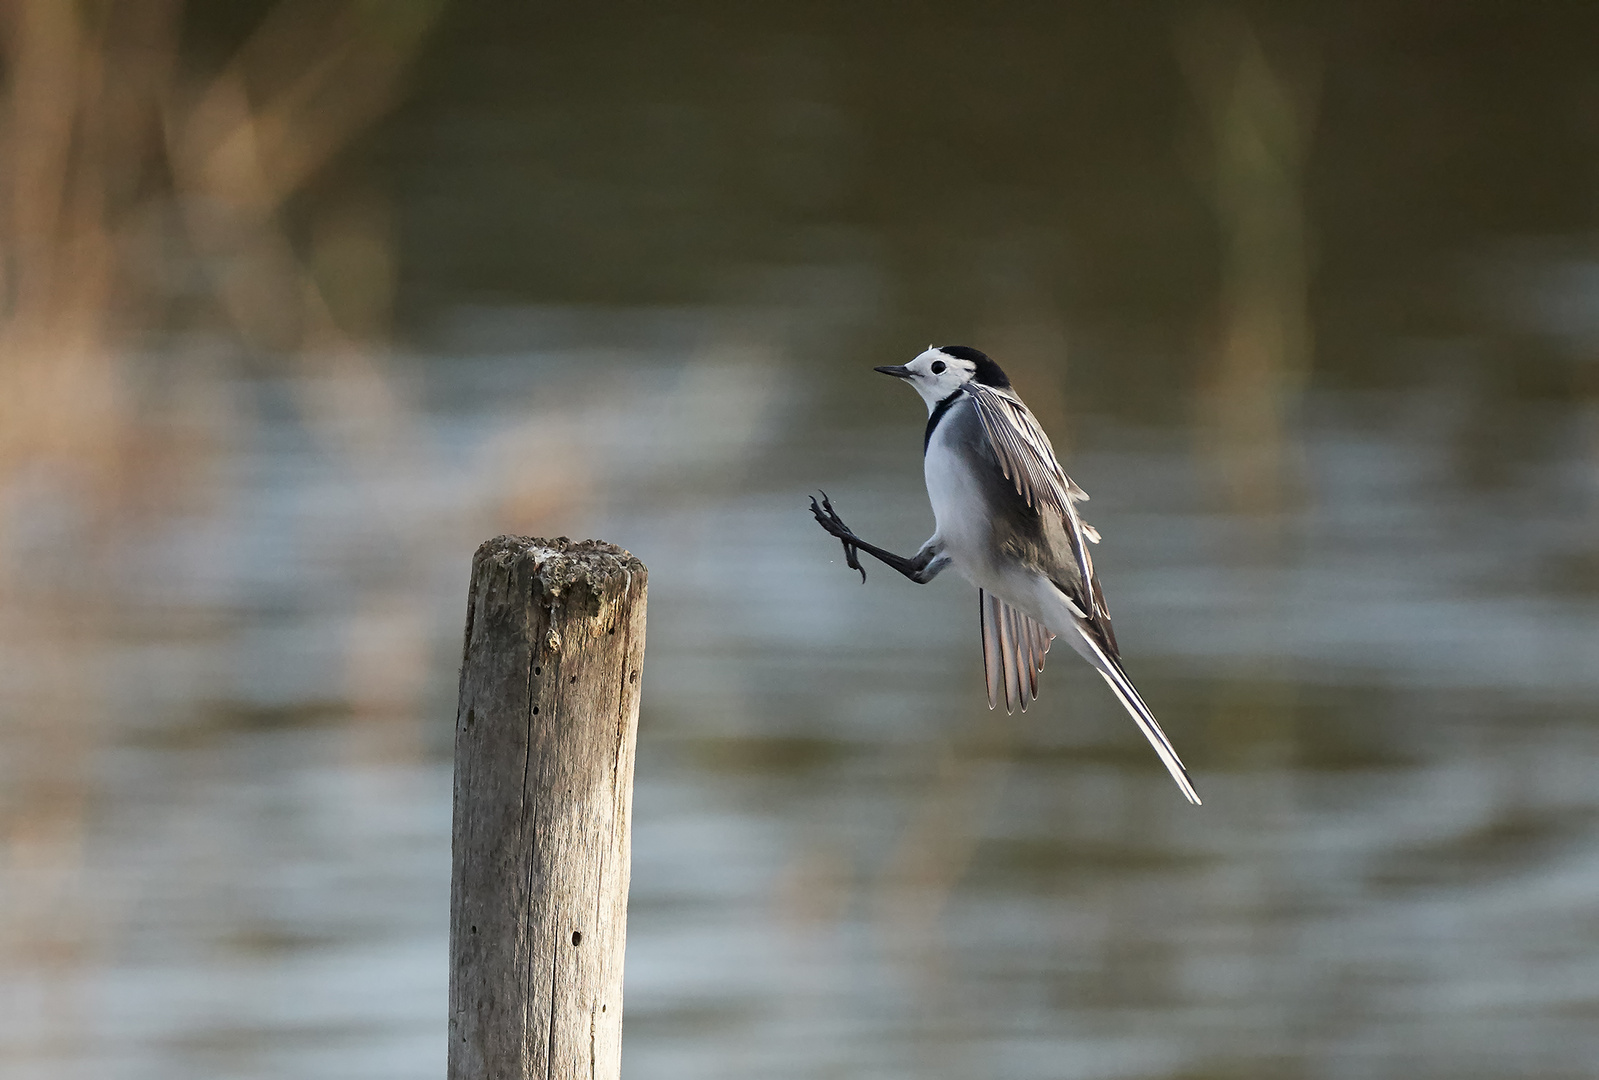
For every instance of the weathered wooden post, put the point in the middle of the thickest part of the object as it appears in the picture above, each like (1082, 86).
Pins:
(544, 742)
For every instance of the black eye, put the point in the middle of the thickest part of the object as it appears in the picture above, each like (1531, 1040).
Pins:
(937, 367)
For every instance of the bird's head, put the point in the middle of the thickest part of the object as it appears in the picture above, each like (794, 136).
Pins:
(944, 369)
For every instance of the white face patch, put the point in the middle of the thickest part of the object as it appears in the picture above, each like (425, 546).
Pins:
(936, 375)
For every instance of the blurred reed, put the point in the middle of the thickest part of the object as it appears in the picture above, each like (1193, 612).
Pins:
(1256, 109)
(142, 197)
(1254, 94)
(1255, 98)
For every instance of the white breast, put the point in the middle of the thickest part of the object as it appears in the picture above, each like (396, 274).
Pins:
(959, 509)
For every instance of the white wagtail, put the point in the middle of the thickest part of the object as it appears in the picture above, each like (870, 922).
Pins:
(1006, 520)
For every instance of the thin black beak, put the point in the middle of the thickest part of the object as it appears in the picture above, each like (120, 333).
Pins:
(899, 371)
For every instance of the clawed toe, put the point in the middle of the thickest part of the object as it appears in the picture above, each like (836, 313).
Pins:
(828, 519)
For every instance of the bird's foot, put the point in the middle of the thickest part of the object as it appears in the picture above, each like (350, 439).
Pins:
(828, 519)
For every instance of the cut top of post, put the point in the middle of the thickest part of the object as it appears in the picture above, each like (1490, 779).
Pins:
(563, 562)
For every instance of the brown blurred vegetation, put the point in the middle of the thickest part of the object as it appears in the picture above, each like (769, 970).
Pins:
(137, 181)
(142, 184)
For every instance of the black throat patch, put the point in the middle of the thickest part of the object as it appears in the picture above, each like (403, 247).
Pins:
(938, 414)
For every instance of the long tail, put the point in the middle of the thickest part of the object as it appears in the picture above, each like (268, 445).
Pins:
(1110, 669)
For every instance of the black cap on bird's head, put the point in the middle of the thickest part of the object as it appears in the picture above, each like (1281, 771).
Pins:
(985, 370)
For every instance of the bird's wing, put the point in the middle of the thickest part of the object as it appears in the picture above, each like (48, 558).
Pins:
(1013, 652)
(1028, 461)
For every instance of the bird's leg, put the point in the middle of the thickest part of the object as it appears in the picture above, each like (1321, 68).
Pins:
(920, 568)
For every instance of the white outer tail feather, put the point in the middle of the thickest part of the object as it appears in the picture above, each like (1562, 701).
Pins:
(1127, 694)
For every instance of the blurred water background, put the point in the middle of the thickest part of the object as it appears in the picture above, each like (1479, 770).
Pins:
(301, 301)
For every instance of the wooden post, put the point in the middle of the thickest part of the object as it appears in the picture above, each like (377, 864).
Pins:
(543, 801)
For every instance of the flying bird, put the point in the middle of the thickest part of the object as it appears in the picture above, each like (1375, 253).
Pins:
(1007, 520)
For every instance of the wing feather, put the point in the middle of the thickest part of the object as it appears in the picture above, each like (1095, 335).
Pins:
(1028, 673)
(1013, 644)
(988, 618)
(1021, 657)
(1013, 652)
(1028, 461)
(1007, 644)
